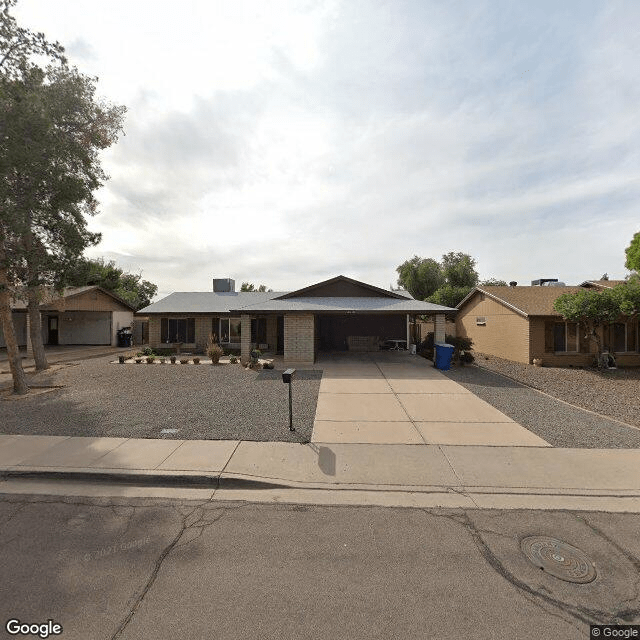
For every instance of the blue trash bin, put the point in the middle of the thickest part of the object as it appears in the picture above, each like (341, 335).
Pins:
(444, 355)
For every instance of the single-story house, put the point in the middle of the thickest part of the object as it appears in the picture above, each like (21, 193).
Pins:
(519, 323)
(78, 316)
(334, 315)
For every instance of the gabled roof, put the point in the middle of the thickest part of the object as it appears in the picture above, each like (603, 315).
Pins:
(351, 285)
(601, 284)
(51, 297)
(526, 301)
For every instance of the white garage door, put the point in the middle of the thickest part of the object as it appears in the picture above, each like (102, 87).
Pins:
(85, 327)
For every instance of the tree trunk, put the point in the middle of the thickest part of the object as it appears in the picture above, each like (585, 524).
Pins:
(15, 364)
(35, 330)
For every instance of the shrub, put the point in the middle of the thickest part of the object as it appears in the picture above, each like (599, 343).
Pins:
(173, 359)
(196, 360)
(255, 355)
(214, 350)
(267, 365)
(150, 359)
(163, 360)
(233, 359)
(184, 360)
(148, 351)
(138, 360)
(425, 348)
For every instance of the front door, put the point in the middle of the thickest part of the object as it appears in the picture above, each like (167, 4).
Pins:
(53, 330)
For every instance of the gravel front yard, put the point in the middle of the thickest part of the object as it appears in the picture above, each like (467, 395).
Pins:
(611, 393)
(224, 402)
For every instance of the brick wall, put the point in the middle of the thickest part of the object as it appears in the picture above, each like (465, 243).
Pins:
(154, 332)
(505, 334)
(299, 338)
(245, 338)
(203, 331)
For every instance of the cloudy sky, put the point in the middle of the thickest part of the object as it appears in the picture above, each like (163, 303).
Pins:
(287, 142)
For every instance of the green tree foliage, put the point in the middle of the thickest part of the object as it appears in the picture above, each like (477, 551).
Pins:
(459, 270)
(592, 309)
(449, 296)
(627, 297)
(445, 283)
(421, 277)
(18, 45)
(248, 286)
(633, 254)
(494, 282)
(128, 286)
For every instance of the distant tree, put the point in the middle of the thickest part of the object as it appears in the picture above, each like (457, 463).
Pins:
(248, 286)
(633, 254)
(604, 276)
(494, 282)
(445, 283)
(591, 309)
(129, 286)
(459, 269)
(421, 277)
(449, 296)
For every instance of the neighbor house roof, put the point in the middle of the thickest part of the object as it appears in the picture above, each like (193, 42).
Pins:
(50, 297)
(527, 301)
(602, 284)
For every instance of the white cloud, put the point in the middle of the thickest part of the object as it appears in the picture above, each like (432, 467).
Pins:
(290, 141)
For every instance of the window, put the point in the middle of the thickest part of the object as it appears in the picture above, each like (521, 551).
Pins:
(561, 337)
(623, 336)
(230, 329)
(178, 330)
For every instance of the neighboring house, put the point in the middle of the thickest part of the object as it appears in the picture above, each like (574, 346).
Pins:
(601, 284)
(520, 324)
(78, 316)
(335, 315)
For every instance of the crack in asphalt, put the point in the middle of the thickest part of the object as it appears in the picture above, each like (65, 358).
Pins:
(577, 614)
(193, 519)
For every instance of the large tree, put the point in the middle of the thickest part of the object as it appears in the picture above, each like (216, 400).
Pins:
(17, 46)
(52, 131)
(129, 286)
(633, 254)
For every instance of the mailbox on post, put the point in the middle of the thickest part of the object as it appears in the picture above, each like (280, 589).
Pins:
(287, 378)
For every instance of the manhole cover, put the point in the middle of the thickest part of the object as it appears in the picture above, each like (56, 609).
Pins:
(559, 559)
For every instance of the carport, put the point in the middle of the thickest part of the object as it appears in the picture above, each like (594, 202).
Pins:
(340, 314)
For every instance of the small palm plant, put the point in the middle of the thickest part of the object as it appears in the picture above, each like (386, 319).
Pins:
(214, 350)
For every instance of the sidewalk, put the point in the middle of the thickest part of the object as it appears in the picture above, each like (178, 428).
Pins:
(319, 473)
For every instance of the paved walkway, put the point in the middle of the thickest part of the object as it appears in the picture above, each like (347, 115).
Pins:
(390, 398)
(325, 473)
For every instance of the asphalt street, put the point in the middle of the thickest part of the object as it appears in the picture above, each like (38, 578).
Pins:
(148, 568)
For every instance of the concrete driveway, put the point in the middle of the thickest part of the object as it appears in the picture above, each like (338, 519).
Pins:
(396, 398)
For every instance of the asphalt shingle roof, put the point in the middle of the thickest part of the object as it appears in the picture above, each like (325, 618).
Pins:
(254, 302)
(531, 301)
